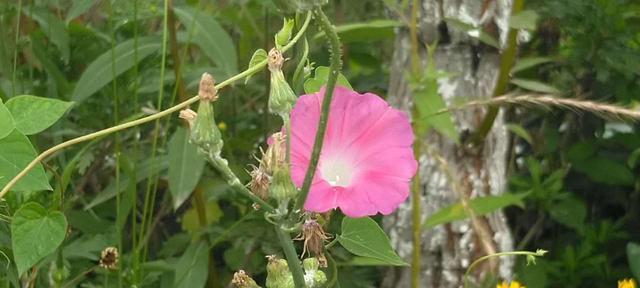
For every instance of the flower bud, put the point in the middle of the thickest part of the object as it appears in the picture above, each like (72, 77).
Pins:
(281, 96)
(242, 280)
(278, 274)
(189, 116)
(313, 276)
(282, 188)
(204, 131)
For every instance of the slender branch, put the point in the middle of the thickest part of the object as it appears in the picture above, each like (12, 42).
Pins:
(529, 254)
(292, 257)
(506, 62)
(51, 151)
(334, 70)
(416, 191)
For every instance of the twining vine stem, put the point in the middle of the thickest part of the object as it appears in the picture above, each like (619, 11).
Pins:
(334, 70)
(51, 151)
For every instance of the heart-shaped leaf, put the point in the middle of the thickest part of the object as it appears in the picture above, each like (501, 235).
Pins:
(32, 114)
(35, 233)
(363, 237)
(313, 85)
(15, 154)
(6, 121)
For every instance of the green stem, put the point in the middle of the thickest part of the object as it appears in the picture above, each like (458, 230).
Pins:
(334, 70)
(51, 151)
(292, 257)
(506, 62)
(416, 210)
(538, 253)
(15, 51)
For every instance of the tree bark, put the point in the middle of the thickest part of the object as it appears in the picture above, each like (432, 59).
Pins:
(448, 250)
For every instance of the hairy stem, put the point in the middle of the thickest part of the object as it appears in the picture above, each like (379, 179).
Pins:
(51, 151)
(292, 257)
(334, 70)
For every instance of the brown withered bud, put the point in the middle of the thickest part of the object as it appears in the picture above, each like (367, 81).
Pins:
(260, 181)
(242, 280)
(275, 60)
(314, 238)
(188, 115)
(207, 90)
(109, 258)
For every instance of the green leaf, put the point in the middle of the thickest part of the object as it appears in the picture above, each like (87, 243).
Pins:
(633, 255)
(54, 28)
(520, 131)
(6, 121)
(99, 73)
(525, 19)
(363, 237)
(365, 261)
(35, 233)
(569, 211)
(473, 31)
(631, 161)
(373, 30)
(428, 102)
(185, 166)
(214, 41)
(257, 57)
(191, 270)
(313, 85)
(15, 154)
(604, 170)
(283, 36)
(535, 86)
(480, 206)
(526, 63)
(33, 114)
(190, 221)
(78, 8)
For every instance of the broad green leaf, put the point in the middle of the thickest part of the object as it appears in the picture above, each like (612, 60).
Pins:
(257, 57)
(191, 270)
(15, 154)
(365, 261)
(570, 212)
(604, 170)
(428, 102)
(185, 166)
(480, 206)
(283, 36)
(54, 28)
(520, 131)
(190, 221)
(214, 41)
(33, 114)
(6, 121)
(526, 63)
(99, 73)
(365, 32)
(313, 85)
(535, 86)
(35, 233)
(525, 19)
(78, 8)
(633, 256)
(363, 237)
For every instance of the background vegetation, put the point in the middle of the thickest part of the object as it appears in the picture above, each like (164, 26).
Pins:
(107, 57)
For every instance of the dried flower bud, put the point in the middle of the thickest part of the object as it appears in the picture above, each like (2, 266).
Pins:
(281, 96)
(242, 280)
(207, 90)
(314, 238)
(188, 115)
(260, 181)
(278, 274)
(109, 258)
(313, 276)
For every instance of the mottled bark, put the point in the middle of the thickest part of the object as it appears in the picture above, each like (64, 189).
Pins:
(448, 250)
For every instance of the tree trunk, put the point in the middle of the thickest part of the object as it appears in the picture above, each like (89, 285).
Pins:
(448, 250)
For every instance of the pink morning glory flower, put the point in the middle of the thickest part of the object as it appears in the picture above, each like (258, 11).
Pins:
(367, 160)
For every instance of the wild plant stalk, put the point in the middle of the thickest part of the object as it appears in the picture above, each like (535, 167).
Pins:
(53, 150)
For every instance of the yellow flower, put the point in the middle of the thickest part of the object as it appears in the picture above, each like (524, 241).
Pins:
(627, 283)
(513, 284)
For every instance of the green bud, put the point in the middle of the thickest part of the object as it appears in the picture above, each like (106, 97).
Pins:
(204, 131)
(282, 189)
(281, 96)
(278, 274)
(242, 280)
(313, 276)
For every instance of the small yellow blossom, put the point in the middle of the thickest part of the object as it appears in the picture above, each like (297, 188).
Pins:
(222, 126)
(627, 283)
(513, 284)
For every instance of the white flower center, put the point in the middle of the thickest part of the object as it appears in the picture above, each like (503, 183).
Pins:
(337, 172)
